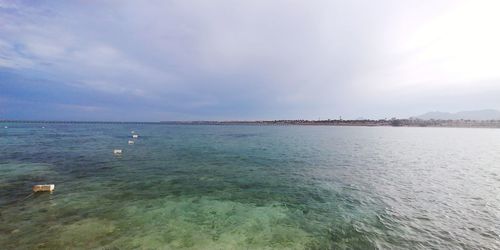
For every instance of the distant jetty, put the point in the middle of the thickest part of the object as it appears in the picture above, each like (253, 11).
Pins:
(394, 122)
(366, 123)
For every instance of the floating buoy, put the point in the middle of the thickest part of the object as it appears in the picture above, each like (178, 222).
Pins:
(133, 132)
(117, 151)
(130, 142)
(44, 188)
(6, 127)
(135, 136)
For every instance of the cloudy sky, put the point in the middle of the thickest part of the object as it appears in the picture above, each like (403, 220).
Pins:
(259, 59)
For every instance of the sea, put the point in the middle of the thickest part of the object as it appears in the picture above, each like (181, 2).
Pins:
(248, 187)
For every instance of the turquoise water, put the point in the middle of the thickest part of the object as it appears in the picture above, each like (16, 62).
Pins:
(249, 187)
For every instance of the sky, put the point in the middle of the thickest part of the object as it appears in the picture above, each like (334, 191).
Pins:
(158, 60)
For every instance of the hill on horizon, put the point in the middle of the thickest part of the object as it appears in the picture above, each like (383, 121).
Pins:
(485, 114)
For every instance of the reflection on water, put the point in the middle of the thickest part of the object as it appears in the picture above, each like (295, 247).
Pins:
(249, 187)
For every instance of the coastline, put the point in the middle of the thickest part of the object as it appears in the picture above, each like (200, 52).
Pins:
(358, 123)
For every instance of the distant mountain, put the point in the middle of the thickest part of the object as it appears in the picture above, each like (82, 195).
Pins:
(487, 114)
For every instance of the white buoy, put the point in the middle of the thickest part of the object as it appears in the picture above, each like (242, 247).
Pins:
(6, 127)
(130, 142)
(117, 151)
(135, 136)
(133, 132)
(44, 188)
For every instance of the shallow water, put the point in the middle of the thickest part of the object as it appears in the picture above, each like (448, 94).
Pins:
(249, 187)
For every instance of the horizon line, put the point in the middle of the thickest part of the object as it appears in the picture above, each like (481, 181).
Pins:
(230, 121)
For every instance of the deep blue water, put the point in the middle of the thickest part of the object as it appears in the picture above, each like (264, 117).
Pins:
(249, 187)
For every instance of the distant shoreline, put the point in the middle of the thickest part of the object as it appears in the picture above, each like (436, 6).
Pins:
(358, 123)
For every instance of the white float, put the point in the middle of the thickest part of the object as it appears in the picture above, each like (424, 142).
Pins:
(130, 142)
(117, 151)
(44, 188)
(135, 136)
